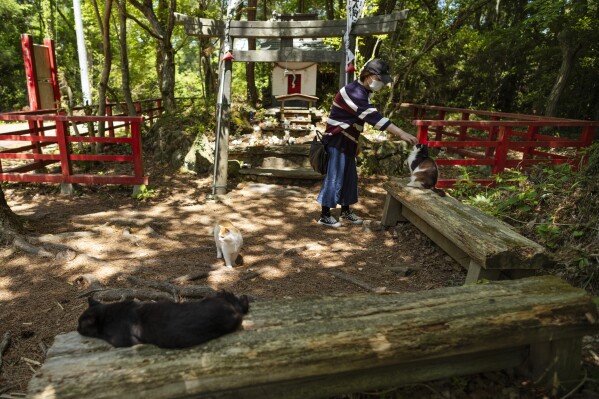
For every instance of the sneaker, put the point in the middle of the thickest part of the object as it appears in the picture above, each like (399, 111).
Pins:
(350, 217)
(329, 221)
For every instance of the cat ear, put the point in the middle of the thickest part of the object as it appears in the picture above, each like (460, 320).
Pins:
(92, 302)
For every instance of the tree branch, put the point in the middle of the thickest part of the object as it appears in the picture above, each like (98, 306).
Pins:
(144, 27)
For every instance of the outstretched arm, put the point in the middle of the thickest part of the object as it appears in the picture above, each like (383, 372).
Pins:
(402, 134)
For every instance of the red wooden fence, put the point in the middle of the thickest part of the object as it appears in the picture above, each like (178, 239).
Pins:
(48, 140)
(498, 139)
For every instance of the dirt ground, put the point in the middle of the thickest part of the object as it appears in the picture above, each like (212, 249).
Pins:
(285, 254)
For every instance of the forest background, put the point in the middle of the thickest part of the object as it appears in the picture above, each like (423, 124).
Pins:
(525, 56)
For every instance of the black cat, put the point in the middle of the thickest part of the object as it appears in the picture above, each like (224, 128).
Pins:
(164, 324)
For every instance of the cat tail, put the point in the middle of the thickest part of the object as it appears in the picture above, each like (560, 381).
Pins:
(438, 191)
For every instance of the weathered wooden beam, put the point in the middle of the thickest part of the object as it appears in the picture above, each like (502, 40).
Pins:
(291, 55)
(376, 25)
(489, 242)
(313, 348)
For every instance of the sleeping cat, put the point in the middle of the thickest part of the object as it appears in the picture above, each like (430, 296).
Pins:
(423, 169)
(164, 324)
(228, 241)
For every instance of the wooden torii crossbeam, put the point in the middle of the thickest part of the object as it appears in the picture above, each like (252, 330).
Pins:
(286, 31)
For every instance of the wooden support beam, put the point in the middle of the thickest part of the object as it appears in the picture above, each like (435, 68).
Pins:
(222, 159)
(290, 55)
(376, 25)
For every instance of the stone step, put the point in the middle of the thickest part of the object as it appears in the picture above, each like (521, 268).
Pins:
(284, 163)
(278, 150)
(297, 175)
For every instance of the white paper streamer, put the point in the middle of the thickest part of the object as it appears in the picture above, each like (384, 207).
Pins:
(354, 10)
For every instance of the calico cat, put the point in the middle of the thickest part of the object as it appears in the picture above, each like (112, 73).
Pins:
(164, 324)
(228, 241)
(423, 169)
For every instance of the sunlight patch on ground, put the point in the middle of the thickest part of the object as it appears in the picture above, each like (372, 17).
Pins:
(5, 293)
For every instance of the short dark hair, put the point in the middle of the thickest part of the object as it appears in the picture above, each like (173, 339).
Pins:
(364, 74)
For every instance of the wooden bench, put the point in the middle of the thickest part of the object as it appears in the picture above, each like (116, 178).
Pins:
(487, 247)
(317, 348)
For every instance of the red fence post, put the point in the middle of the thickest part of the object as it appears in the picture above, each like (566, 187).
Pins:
(49, 43)
(64, 149)
(492, 137)
(110, 123)
(531, 135)
(138, 165)
(439, 130)
(463, 129)
(29, 60)
(502, 149)
(422, 134)
(586, 139)
(159, 106)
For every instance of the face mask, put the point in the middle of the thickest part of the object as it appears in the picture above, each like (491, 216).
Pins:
(376, 85)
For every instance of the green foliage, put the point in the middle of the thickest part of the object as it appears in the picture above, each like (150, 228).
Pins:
(144, 193)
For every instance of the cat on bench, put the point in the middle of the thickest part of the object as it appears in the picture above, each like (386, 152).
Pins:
(164, 324)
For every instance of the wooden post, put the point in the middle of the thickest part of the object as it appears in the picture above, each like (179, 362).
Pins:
(110, 123)
(492, 137)
(49, 43)
(29, 60)
(138, 164)
(220, 178)
(439, 130)
(464, 129)
(66, 187)
(392, 212)
(556, 364)
(352, 45)
(531, 135)
(423, 134)
(342, 71)
(502, 149)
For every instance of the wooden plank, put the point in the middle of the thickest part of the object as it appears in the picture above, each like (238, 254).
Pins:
(307, 174)
(437, 237)
(321, 347)
(488, 241)
(290, 55)
(81, 179)
(375, 25)
(391, 212)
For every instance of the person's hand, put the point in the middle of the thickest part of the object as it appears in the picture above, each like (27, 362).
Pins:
(407, 137)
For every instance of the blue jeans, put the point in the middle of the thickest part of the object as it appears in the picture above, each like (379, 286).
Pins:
(340, 185)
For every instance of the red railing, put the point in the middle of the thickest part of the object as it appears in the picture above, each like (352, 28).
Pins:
(503, 140)
(50, 131)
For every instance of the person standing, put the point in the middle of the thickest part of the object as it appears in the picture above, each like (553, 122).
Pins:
(350, 110)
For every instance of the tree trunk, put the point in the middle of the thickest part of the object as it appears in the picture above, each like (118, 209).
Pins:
(330, 9)
(122, 4)
(162, 23)
(252, 94)
(167, 74)
(104, 23)
(9, 222)
(569, 47)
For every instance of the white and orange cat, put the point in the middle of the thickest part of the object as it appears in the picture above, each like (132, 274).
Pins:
(228, 241)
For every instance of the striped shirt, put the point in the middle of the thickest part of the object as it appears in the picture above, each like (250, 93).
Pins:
(351, 109)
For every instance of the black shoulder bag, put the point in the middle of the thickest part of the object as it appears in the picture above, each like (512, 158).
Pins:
(319, 157)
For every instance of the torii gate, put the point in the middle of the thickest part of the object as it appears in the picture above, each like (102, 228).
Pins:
(286, 31)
